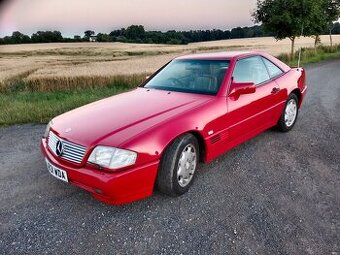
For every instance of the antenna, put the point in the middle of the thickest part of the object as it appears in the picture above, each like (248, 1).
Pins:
(299, 60)
(303, 7)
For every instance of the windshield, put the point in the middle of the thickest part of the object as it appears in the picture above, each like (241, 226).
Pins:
(191, 76)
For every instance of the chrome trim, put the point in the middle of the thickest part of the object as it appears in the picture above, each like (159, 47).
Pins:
(72, 152)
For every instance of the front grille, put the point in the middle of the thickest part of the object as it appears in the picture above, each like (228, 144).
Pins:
(72, 152)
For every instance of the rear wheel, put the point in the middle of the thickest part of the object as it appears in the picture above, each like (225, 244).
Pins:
(178, 166)
(289, 114)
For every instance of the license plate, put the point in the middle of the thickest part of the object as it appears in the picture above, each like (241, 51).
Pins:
(56, 172)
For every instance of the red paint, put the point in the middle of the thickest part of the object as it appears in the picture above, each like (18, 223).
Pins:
(147, 121)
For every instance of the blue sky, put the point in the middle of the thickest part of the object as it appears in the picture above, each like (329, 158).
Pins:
(75, 16)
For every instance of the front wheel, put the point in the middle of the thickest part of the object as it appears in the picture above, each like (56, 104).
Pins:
(178, 166)
(289, 114)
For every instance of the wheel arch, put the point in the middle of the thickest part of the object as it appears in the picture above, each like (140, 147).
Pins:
(164, 174)
(297, 92)
(201, 144)
(200, 140)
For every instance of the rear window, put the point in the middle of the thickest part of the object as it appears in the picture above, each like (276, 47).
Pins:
(272, 68)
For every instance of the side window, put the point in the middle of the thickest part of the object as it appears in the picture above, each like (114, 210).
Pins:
(272, 68)
(251, 70)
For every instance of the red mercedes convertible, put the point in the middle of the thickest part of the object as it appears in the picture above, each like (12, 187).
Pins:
(191, 110)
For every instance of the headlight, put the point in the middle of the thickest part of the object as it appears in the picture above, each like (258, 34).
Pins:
(112, 158)
(47, 129)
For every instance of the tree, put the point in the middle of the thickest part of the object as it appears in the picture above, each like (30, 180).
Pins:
(18, 37)
(336, 29)
(316, 28)
(331, 14)
(288, 18)
(135, 32)
(103, 37)
(7, 40)
(77, 38)
(237, 32)
(88, 33)
(46, 37)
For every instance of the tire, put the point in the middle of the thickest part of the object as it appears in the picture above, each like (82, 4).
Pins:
(289, 114)
(178, 166)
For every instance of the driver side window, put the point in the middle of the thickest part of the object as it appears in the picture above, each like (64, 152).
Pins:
(251, 69)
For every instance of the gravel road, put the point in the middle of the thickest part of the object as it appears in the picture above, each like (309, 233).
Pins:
(275, 194)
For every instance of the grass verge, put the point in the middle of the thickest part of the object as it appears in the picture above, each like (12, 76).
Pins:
(39, 107)
(36, 103)
(312, 55)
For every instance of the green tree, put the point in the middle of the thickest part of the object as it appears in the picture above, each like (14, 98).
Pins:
(336, 29)
(331, 14)
(238, 32)
(88, 33)
(18, 37)
(317, 27)
(103, 37)
(7, 40)
(288, 18)
(77, 38)
(135, 32)
(46, 37)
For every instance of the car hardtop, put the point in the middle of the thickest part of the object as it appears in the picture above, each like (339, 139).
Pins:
(234, 56)
(224, 55)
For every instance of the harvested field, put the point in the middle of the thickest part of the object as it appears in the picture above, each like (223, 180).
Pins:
(65, 66)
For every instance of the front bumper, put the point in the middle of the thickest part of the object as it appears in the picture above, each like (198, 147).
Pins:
(113, 188)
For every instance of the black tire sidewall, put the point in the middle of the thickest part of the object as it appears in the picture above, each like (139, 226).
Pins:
(186, 140)
(282, 124)
(167, 179)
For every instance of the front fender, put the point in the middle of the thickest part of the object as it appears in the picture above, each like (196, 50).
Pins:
(151, 142)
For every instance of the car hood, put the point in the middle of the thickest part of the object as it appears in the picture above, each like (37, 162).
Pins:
(132, 111)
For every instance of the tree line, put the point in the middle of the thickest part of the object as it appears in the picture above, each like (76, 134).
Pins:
(138, 34)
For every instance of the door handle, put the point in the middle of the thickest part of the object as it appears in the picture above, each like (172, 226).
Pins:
(275, 90)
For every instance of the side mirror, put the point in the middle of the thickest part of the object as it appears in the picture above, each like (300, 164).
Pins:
(147, 77)
(241, 88)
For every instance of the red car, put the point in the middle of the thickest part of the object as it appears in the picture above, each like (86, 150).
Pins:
(191, 110)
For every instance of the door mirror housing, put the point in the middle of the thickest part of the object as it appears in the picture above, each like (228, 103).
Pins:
(241, 88)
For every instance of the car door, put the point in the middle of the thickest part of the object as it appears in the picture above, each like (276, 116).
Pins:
(250, 114)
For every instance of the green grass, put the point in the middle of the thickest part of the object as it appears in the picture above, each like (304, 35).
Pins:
(39, 107)
(21, 104)
(312, 55)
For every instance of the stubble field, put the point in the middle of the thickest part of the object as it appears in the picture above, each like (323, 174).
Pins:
(65, 66)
